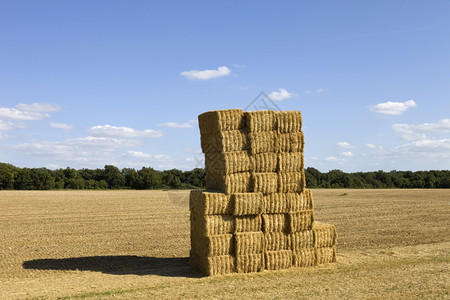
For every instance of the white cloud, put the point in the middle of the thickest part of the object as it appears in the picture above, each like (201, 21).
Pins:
(315, 92)
(239, 66)
(281, 95)
(346, 153)
(179, 125)
(424, 149)
(420, 131)
(344, 145)
(16, 114)
(207, 74)
(393, 108)
(138, 154)
(61, 126)
(39, 107)
(330, 158)
(123, 132)
(371, 146)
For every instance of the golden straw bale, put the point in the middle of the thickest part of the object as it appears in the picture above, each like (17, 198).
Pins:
(249, 242)
(261, 142)
(247, 204)
(290, 142)
(290, 162)
(265, 183)
(264, 162)
(221, 120)
(324, 235)
(276, 203)
(300, 221)
(208, 203)
(302, 239)
(300, 201)
(292, 182)
(207, 225)
(277, 260)
(224, 141)
(217, 163)
(261, 120)
(213, 265)
(274, 241)
(250, 223)
(230, 183)
(326, 255)
(305, 257)
(289, 121)
(249, 263)
(214, 245)
(275, 222)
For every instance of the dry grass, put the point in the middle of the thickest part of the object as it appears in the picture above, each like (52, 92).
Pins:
(135, 244)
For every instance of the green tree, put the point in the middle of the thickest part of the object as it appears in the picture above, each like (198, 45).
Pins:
(114, 177)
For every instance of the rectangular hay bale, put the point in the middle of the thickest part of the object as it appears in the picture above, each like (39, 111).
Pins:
(326, 255)
(274, 241)
(276, 203)
(250, 263)
(291, 162)
(230, 183)
(324, 235)
(219, 164)
(278, 260)
(214, 245)
(208, 225)
(300, 201)
(221, 120)
(292, 182)
(302, 239)
(224, 141)
(289, 121)
(265, 183)
(301, 221)
(208, 203)
(261, 142)
(249, 242)
(247, 203)
(261, 120)
(305, 257)
(214, 265)
(275, 222)
(264, 162)
(290, 142)
(250, 223)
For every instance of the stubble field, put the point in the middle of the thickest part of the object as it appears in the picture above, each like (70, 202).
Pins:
(135, 244)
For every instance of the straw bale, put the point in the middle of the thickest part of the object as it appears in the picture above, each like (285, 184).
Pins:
(214, 265)
(217, 163)
(261, 120)
(300, 221)
(250, 263)
(274, 241)
(324, 235)
(275, 222)
(290, 142)
(264, 162)
(230, 183)
(261, 142)
(247, 203)
(292, 182)
(249, 242)
(207, 225)
(276, 203)
(326, 255)
(304, 257)
(214, 245)
(221, 120)
(224, 141)
(250, 223)
(265, 183)
(302, 239)
(208, 203)
(277, 260)
(300, 201)
(289, 121)
(290, 162)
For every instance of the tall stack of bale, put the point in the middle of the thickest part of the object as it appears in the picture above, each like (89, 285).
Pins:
(256, 213)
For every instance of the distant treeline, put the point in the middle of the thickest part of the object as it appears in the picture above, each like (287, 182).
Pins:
(111, 177)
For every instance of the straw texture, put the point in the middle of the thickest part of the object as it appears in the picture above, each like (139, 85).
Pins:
(290, 162)
(290, 142)
(276, 203)
(304, 257)
(277, 260)
(264, 162)
(249, 243)
(289, 121)
(249, 223)
(274, 241)
(326, 255)
(292, 182)
(258, 121)
(261, 142)
(324, 235)
(225, 141)
(227, 163)
(265, 183)
(229, 184)
(221, 120)
(249, 263)
(207, 203)
(214, 245)
(301, 221)
(207, 225)
(247, 204)
(302, 239)
(275, 222)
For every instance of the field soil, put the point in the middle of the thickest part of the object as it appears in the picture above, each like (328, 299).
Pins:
(135, 244)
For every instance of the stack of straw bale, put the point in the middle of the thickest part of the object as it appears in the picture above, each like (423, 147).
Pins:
(256, 213)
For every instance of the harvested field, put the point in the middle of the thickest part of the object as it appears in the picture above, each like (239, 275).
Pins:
(135, 244)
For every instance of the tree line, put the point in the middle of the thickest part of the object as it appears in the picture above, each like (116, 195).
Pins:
(111, 177)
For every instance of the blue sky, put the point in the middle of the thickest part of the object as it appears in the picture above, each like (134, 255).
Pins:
(89, 83)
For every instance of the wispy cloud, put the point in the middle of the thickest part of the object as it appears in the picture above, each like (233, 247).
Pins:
(281, 94)
(424, 149)
(179, 125)
(28, 112)
(62, 126)
(344, 145)
(346, 153)
(123, 132)
(330, 158)
(393, 108)
(314, 92)
(207, 74)
(371, 146)
(420, 131)
(39, 106)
